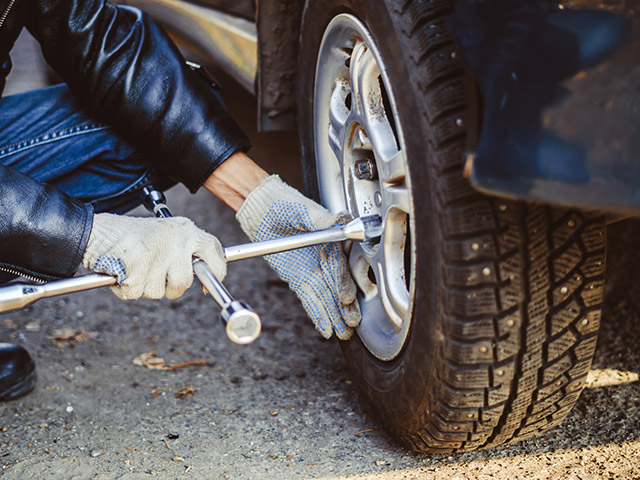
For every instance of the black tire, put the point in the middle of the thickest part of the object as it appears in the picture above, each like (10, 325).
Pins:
(507, 295)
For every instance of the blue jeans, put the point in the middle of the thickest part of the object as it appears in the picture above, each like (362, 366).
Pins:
(46, 135)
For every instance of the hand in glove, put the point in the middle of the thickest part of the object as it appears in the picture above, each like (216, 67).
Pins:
(151, 257)
(319, 275)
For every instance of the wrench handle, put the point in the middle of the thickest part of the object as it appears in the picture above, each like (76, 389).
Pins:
(242, 324)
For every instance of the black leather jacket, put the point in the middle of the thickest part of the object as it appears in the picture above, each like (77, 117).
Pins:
(129, 74)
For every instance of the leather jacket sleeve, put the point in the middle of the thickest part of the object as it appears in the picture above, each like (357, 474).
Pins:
(43, 231)
(127, 73)
(130, 75)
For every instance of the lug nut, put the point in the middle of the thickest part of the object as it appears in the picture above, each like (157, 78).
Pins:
(365, 169)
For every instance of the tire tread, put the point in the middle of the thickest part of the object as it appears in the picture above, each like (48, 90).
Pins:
(523, 283)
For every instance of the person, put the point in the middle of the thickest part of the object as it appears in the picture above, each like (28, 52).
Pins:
(130, 113)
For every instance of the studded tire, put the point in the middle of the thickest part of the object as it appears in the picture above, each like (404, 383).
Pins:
(506, 295)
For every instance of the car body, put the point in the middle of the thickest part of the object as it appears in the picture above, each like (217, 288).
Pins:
(595, 108)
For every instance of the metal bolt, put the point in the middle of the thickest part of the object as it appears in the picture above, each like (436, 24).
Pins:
(502, 207)
(571, 223)
(500, 373)
(453, 54)
(470, 415)
(365, 169)
(484, 349)
(559, 383)
(510, 322)
(486, 271)
(459, 122)
(564, 290)
(475, 247)
(585, 322)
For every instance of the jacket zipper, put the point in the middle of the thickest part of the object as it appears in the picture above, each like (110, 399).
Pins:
(5, 13)
(20, 274)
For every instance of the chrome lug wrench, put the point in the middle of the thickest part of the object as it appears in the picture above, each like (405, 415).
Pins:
(244, 327)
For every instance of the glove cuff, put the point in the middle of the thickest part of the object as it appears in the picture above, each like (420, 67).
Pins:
(258, 202)
(102, 238)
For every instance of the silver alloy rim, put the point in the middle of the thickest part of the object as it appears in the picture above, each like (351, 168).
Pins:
(361, 167)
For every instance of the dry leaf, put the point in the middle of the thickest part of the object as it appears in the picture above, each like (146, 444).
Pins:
(178, 459)
(150, 360)
(608, 377)
(381, 462)
(192, 363)
(184, 391)
(85, 336)
(10, 324)
(32, 327)
(68, 335)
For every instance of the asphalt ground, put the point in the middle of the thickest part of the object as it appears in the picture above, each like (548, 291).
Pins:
(284, 407)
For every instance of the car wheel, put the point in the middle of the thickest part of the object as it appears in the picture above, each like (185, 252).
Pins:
(480, 314)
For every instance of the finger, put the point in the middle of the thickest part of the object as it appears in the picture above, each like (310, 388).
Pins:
(347, 291)
(336, 274)
(343, 331)
(179, 279)
(127, 292)
(110, 265)
(351, 314)
(328, 313)
(210, 250)
(155, 284)
(316, 311)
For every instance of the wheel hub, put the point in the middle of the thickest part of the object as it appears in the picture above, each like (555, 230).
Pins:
(361, 167)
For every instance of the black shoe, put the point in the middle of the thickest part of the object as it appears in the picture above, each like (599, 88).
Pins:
(17, 372)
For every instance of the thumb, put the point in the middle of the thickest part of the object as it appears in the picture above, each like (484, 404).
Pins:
(209, 249)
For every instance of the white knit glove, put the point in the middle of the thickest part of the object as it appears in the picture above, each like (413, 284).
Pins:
(319, 275)
(151, 257)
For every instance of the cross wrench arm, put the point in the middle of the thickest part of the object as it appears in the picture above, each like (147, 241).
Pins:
(362, 229)
(242, 324)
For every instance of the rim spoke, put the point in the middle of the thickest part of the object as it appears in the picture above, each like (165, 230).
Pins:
(338, 114)
(362, 66)
(398, 197)
(389, 289)
(359, 264)
(389, 271)
(368, 100)
(392, 170)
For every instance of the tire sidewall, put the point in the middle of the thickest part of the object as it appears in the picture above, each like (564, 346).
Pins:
(396, 388)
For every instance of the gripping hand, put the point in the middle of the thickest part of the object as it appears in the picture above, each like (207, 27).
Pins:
(319, 275)
(150, 257)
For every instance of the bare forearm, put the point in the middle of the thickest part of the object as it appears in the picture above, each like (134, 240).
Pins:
(232, 181)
